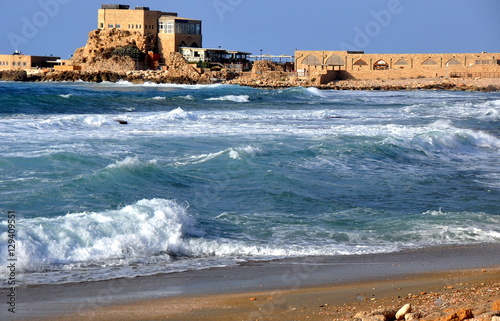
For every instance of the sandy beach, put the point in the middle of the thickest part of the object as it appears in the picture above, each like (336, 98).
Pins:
(435, 281)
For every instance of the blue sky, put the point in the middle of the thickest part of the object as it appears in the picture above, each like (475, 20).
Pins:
(58, 27)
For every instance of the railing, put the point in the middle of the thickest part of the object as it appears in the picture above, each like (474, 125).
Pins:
(475, 75)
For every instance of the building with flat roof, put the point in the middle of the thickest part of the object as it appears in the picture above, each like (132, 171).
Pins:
(169, 31)
(19, 61)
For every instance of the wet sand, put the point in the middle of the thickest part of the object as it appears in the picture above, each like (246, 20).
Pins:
(315, 288)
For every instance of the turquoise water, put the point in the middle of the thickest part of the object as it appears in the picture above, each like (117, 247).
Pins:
(206, 176)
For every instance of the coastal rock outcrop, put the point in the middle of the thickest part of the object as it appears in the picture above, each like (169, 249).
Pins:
(98, 52)
(13, 75)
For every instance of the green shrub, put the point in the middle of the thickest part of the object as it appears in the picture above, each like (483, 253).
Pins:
(129, 51)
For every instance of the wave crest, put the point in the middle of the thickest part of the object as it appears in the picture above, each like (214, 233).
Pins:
(236, 99)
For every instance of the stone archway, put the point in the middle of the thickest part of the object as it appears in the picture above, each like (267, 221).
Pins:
(335, 60)
(429, 62)
(381, 65)
(401, 62)
(453, 62)
(360, 62)
(311, 60)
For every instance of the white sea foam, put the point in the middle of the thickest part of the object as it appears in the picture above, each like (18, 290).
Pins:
(96, 120)
(131, 163)
(490, 115)
(159, 98)
(66, 95)
(179, 113)
(233, 153)
(245, 150)
(181, 86)
(315, 92)
(237, 99)
(155, 230)
(153, 233)
(149, 227)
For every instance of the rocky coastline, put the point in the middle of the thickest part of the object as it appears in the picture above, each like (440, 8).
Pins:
(256, 81)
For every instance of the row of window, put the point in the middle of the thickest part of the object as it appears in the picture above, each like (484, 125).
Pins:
(403, 62)
(14, 63)
(164, 27)
(180, 28)
(147, 27)
(336, 60)
(130, 26)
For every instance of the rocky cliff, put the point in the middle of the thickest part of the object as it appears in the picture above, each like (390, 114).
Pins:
(98, 52)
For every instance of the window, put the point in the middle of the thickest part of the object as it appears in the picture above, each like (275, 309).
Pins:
(335, 60)
(101, 25)
(360, 62)
(166, 27)
(429, 62)
(24, 63)
(111, 26)
(453, 62)
(311, 60)
(381, 65)
(118, 26)
(185, 27)
(401, 62)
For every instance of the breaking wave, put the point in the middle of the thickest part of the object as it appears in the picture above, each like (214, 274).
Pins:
(233, 98)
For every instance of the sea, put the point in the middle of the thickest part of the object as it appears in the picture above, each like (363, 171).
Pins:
(120, 180)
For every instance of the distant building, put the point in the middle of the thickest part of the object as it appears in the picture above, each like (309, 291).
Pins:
(231, 59)
(333, 65)
(169, 31)
(19, 61)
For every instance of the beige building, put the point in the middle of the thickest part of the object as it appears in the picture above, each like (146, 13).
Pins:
(332, 65)
(168, 31)
(20, 61)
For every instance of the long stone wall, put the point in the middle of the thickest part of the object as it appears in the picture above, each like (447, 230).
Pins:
(325, 65)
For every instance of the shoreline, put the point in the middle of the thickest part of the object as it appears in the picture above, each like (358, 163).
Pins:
(341, 278)
(335, 302)
(159, 77)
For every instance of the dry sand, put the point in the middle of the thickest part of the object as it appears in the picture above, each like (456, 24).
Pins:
(434, 295)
